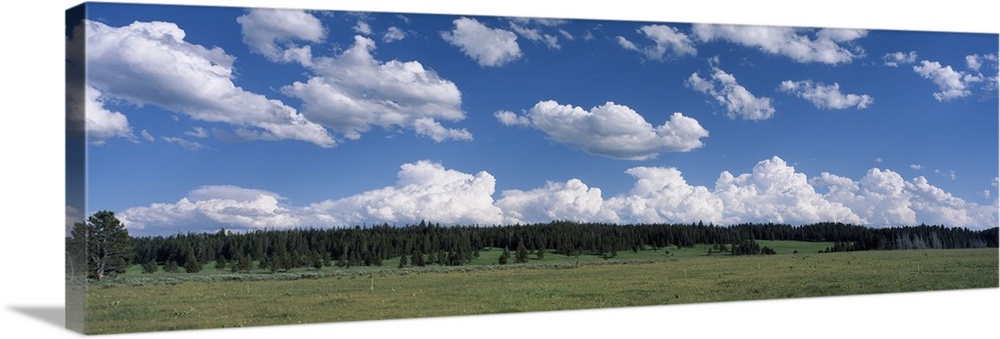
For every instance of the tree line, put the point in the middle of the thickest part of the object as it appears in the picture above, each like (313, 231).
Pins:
(432, 244)
(426, 243)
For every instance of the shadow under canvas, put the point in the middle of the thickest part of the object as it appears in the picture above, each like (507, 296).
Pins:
(52, 315)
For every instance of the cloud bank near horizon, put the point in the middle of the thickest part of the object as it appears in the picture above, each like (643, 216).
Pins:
(773, 191)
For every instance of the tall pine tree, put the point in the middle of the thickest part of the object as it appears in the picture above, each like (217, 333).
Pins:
(108, 247)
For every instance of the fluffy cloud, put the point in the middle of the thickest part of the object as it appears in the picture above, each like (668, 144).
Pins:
(150, 63)
(572, 201)
(423, 191)
(210, 207)
(662, 195)
(534, 34)
(666, 39)
(610, 130)
(916, 166)
(879, 198)
(739, 102)
(353, 91)
(976, 62)
(953, 84)
(362, 28)
(265, 29)
(772, 192)
(492, 47)
(509, 118)
(825, 96)
(883, 197)
(393, 34)
(830, 46)
(101, 123)
(899, 58)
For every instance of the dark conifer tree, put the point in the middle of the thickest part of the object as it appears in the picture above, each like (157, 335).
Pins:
(402, 261)
(191, 263)
(504, 257)
(150, 267)
(521, 255)
(105, 244)
(171, 267)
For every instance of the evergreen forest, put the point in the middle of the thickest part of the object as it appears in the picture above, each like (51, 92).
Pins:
(432, 244)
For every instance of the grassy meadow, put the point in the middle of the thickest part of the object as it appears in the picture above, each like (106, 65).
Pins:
(136, 302)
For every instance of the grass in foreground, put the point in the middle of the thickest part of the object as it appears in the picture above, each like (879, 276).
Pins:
(384, 295)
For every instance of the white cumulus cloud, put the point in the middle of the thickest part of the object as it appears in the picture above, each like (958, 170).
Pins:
(883, 198)
(273, 32)
(830, 46)
(424, 191)
(354, 91)
(953, 84)
(102, 123)
(737, 100)
(665, 38)
(572, 201)
(976, 62)
(773, 191)
(211, 207)
(825, 96)
(362, 28)
(491, 47)
(393, 34)
(662, 195)
(610, 130)
(899, 58)
(150, 63)
(535, 34)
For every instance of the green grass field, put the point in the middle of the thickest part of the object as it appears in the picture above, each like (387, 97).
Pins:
(554, 283)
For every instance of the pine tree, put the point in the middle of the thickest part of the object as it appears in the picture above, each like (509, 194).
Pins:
(244, 263)
(317, 262)
(150, 267)
(108, 247)
(402, 261)
(504, 257)
(191, 264)
(171, 266)
(522, 254)
(418, 259)
(342, 261)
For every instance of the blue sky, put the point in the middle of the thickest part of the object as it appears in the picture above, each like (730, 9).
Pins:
(201, 117)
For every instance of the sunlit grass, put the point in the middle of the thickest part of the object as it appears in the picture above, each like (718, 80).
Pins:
(393, 293)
